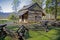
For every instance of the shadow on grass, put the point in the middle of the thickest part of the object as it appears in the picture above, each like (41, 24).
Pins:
(58, 34)
(2, 38)
(58, 38)
(27, 35)
(50, 28)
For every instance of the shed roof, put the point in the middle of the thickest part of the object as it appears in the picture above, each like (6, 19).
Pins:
(29, 6)
(23, 10)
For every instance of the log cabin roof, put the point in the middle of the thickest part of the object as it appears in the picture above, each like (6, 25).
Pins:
(22, 12)
(29, 8)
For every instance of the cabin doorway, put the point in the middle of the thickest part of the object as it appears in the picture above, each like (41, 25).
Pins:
(25, 17)
(22, 17)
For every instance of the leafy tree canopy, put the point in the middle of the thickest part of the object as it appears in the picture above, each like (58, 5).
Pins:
(38, 1)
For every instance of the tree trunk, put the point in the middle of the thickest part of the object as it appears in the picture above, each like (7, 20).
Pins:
(55, 9)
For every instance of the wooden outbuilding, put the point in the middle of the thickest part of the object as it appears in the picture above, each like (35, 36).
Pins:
(31, 13)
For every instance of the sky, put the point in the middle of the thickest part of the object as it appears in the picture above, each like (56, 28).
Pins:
(44, 3)
(6, 5)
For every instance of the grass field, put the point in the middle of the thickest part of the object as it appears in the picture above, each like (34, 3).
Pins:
(53, 34)
(3, 21)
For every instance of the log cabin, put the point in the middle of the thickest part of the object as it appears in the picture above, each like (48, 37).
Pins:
(31, 13)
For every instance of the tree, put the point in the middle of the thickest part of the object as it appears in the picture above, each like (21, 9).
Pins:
(48, 7)
(15, 5)
(56, 9)
(38, 1)
(12, 17)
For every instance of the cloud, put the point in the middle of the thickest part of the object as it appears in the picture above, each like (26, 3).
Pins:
(24, 3)
(7, 4)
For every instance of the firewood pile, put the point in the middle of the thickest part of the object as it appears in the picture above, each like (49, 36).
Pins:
(56, 23)
(51, 23)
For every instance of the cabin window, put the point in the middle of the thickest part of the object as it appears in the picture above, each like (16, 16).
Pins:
(35, 17)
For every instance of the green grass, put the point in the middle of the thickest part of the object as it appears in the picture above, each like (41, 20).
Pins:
(12, 27)
(53, 34)
(8, 38)
(41, 35)
(3, 21)
(58, 17)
